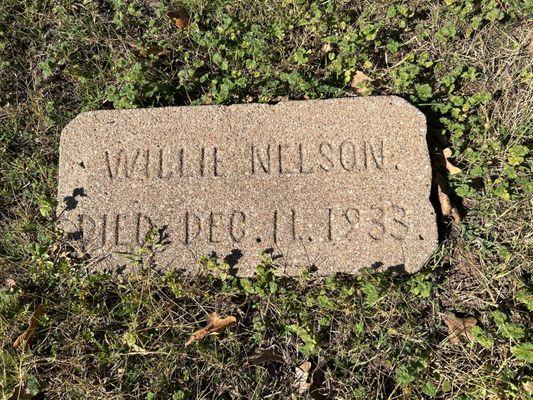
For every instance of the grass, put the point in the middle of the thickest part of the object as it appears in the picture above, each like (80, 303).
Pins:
(466, 64)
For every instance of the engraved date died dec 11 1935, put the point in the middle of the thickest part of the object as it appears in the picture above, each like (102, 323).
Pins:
(342, 184)
(238, 226)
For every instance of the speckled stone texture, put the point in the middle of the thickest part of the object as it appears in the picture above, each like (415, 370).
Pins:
(336, 185)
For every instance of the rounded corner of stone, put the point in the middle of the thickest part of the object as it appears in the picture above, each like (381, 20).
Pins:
(414, 269)
(81, 120)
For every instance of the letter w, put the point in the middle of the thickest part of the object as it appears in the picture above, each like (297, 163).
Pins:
(121, 163)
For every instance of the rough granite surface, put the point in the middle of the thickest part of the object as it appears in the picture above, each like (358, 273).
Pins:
(336, 185)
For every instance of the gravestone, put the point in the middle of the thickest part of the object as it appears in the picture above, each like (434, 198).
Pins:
(336, 185)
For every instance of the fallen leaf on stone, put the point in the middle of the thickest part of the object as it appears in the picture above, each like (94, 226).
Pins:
(452, 169)
(447, 208)
(264, 356)
(215, 325)
(27, 335)
(358, 83)
(180, 17)
(301, 372)
(458, 326)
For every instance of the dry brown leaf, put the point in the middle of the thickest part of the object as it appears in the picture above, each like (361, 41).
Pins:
(26, 336)
(447, 208)
(181, 17)
(301, 372)
(215, 325)
(452, 169)
(458, 326)
(445, 203)
(358, 82)
(311, 379)
(10, 284)
(327, 47)
(263, 356)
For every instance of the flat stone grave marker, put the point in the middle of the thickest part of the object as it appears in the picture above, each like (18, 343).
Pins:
(336, 185)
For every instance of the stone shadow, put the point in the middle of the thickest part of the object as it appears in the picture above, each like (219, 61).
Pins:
(233, 258)
(436, 141)
(70, 201)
